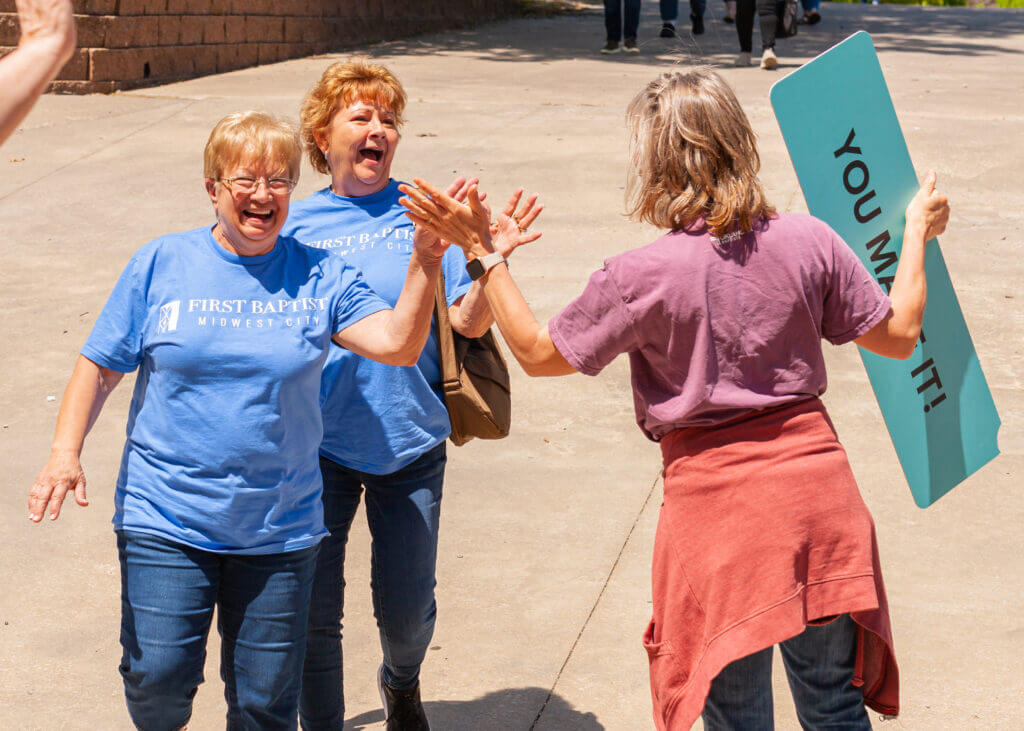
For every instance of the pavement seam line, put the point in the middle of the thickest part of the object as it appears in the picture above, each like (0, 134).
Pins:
(597, 602)
(98, 150)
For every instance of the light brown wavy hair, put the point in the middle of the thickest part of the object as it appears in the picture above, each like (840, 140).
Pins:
(357, 79)
(249, 136)
(693, 156)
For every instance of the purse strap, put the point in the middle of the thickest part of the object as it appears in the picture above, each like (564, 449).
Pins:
(445, 340)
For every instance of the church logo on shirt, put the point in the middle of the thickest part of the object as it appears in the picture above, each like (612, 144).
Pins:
(391, 238)
(169, 317)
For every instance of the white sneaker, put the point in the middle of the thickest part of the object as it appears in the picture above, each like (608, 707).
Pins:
(768, 59)
(742, 60)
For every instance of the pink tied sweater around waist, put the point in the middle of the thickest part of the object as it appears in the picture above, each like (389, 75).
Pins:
(762, 532)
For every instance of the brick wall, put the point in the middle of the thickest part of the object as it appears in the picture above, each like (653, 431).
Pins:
(125, 44)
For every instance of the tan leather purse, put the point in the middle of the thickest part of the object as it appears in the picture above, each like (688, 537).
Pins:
(474, 377)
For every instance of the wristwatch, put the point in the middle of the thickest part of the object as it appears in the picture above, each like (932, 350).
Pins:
(478, 267)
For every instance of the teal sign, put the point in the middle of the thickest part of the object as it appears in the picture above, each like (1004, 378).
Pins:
(845, 142)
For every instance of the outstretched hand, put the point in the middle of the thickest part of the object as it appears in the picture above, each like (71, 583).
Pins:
(509, 230)
(929, 209)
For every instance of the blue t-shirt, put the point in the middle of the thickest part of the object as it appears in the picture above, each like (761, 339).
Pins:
(224, 422)
(377, 418)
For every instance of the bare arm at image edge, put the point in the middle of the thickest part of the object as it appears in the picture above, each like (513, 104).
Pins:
(47, 42)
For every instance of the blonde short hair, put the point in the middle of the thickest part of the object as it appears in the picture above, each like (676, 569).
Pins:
(693, 155)
(340, 85)
(252, 136)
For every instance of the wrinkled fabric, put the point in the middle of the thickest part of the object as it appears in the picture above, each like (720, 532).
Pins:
(718, 330)
(762, 532)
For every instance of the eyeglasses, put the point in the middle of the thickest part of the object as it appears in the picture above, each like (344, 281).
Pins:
(247, 185)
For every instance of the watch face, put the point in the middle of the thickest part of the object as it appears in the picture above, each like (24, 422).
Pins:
(475, 269)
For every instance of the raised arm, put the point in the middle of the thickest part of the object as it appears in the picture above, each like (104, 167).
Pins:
(470, 315)
(469, 228)
(84, 397)
(397, 336)
(47, 42)
(896, 336)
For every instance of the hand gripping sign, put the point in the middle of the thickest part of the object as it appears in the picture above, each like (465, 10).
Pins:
(839, 125)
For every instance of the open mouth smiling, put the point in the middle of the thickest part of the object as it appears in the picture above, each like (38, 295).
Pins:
(371, 153)
(261, 215)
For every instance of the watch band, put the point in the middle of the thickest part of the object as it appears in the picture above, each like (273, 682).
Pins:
(478, 267)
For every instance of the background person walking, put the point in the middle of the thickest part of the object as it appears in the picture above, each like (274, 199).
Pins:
(669, 10)
(745, 30)
(616, 31)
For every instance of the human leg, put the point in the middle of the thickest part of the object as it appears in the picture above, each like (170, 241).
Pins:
(697, 15)
(322, 701)
(811, 14)
(403, 511)
(820, 666)
(745, 25)
(669, 11)
(741, 696)
(768, 22)
(631, 19)
(262, 611)
(168, 592)
(613, 20)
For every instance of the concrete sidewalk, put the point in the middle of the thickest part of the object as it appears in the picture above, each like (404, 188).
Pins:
(546, 541)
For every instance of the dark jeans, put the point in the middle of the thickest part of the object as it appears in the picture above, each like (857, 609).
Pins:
(613, 18)
(402, 509)
(819, 666)
(745, 23)
(168, 592)
(669, 9)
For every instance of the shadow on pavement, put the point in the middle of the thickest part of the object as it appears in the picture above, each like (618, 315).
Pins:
(900, 28)
(511, 709)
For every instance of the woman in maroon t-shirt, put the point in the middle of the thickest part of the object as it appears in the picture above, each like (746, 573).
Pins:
(763, 537)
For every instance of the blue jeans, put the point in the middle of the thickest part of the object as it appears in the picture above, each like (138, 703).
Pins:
(819, 666)
(613, 18)
(402, 509)
(669, 9)
(810, 5)
(168, 592)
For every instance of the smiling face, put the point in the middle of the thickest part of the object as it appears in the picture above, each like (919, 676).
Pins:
(248, 222)
(359, 145)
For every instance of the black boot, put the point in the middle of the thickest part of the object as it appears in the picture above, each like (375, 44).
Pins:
(403, 710)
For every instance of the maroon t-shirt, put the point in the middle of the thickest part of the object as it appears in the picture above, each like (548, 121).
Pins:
(716, 330)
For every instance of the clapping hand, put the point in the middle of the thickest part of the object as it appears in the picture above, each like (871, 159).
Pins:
(466, 226)
(426, 239)
(469, 226)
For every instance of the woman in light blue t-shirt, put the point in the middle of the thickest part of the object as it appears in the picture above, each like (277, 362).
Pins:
(384, 427)
(218, 496)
